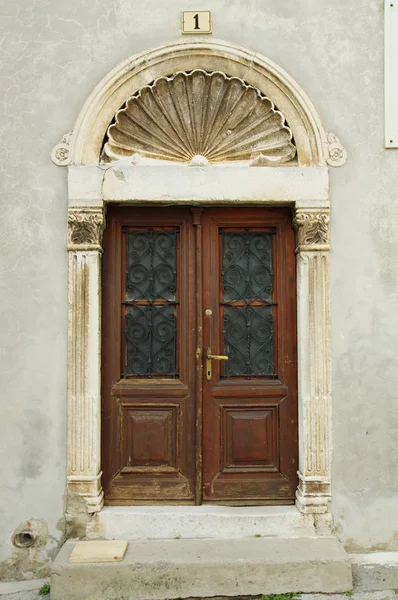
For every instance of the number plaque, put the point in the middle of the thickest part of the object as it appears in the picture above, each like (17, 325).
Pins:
(196, 21)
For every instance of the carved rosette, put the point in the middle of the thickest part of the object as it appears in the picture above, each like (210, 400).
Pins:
(312, 230)
(60, 154)
(336, 153)
(85, 228)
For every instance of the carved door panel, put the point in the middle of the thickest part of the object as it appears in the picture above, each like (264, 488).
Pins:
(249, 400)
(178, 284)
(148, 423)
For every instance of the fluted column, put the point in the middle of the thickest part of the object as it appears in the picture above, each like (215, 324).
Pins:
(85, 228)
(313, 291)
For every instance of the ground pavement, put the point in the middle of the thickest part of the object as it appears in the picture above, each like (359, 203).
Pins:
(29, 590)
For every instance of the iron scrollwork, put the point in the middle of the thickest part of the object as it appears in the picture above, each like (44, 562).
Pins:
(247, 283)
(150, 323)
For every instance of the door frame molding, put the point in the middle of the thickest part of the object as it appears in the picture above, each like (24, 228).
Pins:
(305, 188)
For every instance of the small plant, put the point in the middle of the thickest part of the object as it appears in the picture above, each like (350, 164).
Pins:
(257, 535)
(287, 596)
(348, 593)
(44, 590)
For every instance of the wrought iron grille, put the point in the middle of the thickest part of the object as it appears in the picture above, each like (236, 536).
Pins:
(248, 320)
(151, 302)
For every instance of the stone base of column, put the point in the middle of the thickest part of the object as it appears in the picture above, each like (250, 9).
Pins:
(323, 523)
(89, 487)
(313, 495)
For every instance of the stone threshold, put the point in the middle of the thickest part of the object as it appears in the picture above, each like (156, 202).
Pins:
(199, 522)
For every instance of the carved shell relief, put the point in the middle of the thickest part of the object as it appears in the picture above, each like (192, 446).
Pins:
(200, 117)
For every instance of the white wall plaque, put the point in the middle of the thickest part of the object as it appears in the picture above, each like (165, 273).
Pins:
(194, 21)
(391, 72)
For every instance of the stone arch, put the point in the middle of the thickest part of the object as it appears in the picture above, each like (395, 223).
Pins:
(305, 190)
(142, 69)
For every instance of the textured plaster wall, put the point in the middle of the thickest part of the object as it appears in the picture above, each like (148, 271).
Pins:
(52, 55)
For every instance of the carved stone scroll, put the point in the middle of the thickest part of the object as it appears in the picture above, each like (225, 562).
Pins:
(84, 339)
(336, 153)
(60, 153)
(313, 293)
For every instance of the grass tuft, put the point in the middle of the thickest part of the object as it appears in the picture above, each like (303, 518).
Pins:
(287, 596)
(44, 590)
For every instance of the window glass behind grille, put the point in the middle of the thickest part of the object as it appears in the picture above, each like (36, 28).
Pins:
(151, 302)
(247, 306)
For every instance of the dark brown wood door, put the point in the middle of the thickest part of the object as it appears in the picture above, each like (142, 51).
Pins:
(148, 422)
(179, 284)
(249, 402)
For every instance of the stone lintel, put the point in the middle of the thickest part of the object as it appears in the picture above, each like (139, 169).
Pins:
(92, 185)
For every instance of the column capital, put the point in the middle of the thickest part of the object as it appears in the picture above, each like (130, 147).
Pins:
(85, 228)
(312, 229)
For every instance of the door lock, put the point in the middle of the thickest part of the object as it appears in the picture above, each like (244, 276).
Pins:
(209, 358)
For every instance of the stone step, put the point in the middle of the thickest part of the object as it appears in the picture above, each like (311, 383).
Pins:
(215, 522)
(168, 569)
(375, 571)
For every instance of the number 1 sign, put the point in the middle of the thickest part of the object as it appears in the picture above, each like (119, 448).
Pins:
(196, 22)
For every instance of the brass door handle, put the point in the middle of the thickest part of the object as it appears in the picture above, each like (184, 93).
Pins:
(209, 358)
(215, 356)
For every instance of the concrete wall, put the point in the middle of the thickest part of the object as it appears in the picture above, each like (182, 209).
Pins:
(53, 54)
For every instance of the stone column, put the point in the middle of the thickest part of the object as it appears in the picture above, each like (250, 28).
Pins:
(85, 228)
(314, 385)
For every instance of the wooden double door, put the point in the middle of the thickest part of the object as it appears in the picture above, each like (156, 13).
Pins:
(182, 285)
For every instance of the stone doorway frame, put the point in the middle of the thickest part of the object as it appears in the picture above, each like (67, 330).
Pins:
(304, 187)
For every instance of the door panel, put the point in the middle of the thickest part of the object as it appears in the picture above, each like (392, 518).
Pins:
(179, 283)
(148, 360)
(250, 403)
